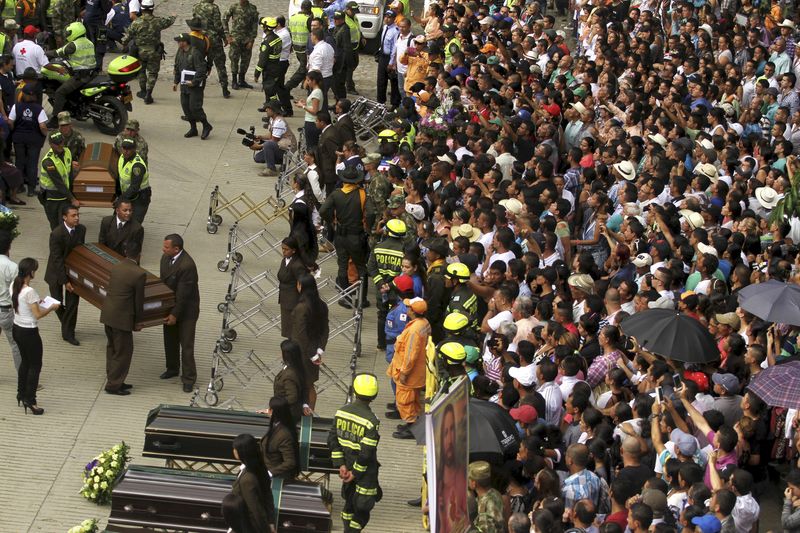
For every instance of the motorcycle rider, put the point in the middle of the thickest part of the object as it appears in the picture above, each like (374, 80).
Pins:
(80, 52)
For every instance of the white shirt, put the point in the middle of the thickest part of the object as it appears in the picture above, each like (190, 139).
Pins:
(23, 317)
(8, 271)
(286, 43)
(313, 179)
(553, 402)
(321, 59)
(28, 54)
(400, 48)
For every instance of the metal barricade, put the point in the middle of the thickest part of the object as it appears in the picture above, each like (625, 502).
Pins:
(255, 317)
(369, 118)
(242, 206)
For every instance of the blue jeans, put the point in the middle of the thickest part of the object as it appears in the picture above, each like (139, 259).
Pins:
(401, 81)
(270, 154)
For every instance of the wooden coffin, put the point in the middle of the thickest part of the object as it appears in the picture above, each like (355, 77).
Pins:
(95, 186)
(205, 434)
(89, 269)
(178, 500)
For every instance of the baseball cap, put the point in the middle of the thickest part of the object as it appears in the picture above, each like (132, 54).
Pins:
(415, 211)
(525, 375)
(56, 137)
(128, 143)
(708, 523)
(525, 414)
(403, 283)
(730, 319)
(728, 381)
(30, 29)
(655, 500)
(479, 471)
(706, 249)
(390, 13)
(684, 443)
(184, 37)
(642, 260)
(418, 305)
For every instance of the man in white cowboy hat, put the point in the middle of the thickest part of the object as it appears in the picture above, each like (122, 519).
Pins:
(708, 170)
(690, 220)
(471, 233)
(659, 140)
(625, 170)
(766, 198)
(788, 30)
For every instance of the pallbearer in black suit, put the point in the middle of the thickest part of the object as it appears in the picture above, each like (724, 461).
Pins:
(64, 237)
(179, 273)
(121, 232)
(122, 309)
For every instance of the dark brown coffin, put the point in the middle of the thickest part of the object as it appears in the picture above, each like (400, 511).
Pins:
(89, 269)
(95, 186)
(154, 497)
(204, 434)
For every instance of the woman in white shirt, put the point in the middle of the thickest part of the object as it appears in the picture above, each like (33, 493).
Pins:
(27, 312)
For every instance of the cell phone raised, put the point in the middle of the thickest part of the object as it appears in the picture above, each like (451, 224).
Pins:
(676, 379)
(659, 394)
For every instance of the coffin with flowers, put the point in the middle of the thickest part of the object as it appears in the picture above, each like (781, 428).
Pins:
(154, 498)
(199, 434)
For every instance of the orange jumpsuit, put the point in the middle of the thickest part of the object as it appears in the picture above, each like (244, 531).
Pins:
(409, 361)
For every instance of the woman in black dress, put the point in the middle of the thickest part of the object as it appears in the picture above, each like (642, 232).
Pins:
(253, 485)
(310, 330)
(304, 219)
(289, 271)
(290, 383)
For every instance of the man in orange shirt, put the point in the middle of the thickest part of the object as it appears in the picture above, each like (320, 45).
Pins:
(407, 369)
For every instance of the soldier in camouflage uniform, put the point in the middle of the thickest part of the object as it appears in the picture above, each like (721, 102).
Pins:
(131, 131)
(396, 208)
(72, 138)
(59, 14)
(240, 36)
(378, 189)
(208, 12)
(145, 34)
(490, 502)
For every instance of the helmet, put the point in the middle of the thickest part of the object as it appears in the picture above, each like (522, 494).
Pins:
(455, 322)
(148, 4)
(75, 30)
(366, 385)
(388, 136)
(396, 227)
(457, 271)
(453, 353)
(269, 22)
(524, 114)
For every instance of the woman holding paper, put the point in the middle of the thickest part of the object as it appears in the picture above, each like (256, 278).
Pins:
(28, 309)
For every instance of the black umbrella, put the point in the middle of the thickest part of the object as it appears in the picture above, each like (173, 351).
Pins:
(493, 434)
(773, 301)
(672, 335)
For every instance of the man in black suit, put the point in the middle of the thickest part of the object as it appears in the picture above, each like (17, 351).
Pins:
(179, 273)
(121, 232)
(345, 129)
(64, 237)
(122, 310)
(327, 147)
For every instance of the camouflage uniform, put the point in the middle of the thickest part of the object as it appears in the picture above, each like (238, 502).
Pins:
(378, 192)
(208, 12)
(62, 13)
(490, 513)
(243, 30)
(145, 32)
(76, 144)
(141, 144)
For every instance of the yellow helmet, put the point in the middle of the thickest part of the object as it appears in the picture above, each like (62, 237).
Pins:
(457, 271)
(455, 322)
(453, 353)
(366, 385)
(269, 22)
(396, 227)
(75, 30)
(388, 136)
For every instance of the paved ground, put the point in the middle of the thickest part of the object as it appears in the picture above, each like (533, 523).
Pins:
(41, 458)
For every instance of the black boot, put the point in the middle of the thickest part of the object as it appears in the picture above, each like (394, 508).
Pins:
(235, 83)
(192, 130)
(206, 130)
(243, 82)
(142, 93)
(225, 92)
(148, 98)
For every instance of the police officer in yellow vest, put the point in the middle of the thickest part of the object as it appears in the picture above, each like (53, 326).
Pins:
(80, 52)
(134, 179)
(353, 442)
(452, 42)
(384, 265)
(299, 28)
(350, 11)
(55, 179)
(10, 28)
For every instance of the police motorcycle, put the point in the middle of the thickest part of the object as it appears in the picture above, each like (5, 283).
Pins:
(105, 99)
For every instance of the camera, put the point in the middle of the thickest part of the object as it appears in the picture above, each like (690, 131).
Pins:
(248, 137)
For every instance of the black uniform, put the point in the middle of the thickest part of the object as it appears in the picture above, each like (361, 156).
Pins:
(353, 441)
(192, 92)
(350, 239)
(269, 64)
(343, 51)
(437, 297)
(464, 301)
(384, 265)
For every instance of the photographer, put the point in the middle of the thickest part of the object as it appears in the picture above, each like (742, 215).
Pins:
(270, 149)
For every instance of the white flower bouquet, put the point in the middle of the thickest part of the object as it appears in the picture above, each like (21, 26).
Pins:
(87, 526)
(9, 222)
(102, 473)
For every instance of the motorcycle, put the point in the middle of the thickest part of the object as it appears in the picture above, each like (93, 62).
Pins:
(105, 98)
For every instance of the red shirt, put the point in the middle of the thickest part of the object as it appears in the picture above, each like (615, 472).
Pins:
(620, 517)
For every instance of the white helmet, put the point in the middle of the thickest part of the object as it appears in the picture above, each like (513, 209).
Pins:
(148, 4)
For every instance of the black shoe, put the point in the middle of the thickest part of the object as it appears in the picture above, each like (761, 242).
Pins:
(364, 304)
(207, 129)
(168, 374)
(344, 303)
(188, 387)
(382, 348)
(391, 406)
(31, 192)
(141, 94)
(191, 133)
(11, 201)
(225, 92)
(262, 109)
(355, 92)
(415, 503)
(119, 392)
(404, 434)
(393, 415)
(244, 85)
(148, 99)
(184, 117)
(35, 409)
(235, 85)
(125, 386)
(73, 341)
(401, 427)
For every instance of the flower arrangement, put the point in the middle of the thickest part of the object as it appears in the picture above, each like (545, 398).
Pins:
(9, 222)
(87, 526)
(102, 473)
(434, 126)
